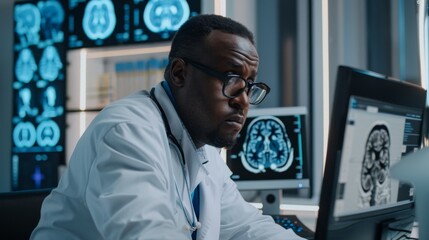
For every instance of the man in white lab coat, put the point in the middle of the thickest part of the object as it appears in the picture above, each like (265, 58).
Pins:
(148, 166)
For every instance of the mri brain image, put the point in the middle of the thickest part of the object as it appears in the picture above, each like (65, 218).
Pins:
(52, 19)
(49, 103)
(99, 19)
(24, 135)
(266, 146)
(50, 64)
(27, 19)
(24, 104)
(375, 184)
(48, 134)
(25, 66)
(165, 15)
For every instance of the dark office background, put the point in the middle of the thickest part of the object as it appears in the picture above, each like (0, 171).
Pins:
(6, 70)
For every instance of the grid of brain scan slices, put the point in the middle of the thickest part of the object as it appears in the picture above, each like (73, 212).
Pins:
(38, 90)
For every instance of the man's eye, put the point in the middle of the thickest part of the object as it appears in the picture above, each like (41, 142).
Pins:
(232, 73)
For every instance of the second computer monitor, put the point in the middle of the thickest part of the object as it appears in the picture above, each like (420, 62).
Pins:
(375, 121)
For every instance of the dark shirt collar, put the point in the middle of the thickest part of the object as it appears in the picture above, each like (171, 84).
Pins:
(167, 89)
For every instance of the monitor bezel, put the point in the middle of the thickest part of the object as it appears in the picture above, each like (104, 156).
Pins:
(272, 184)
(368, 84)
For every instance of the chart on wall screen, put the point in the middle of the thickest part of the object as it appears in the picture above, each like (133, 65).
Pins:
(38, 90)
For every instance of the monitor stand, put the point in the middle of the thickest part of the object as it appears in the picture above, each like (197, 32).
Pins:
(271, 200)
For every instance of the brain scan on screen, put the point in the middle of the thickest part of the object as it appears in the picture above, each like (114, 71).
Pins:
(50, 64)
(99, 19)
(48, 134)
(24, 104)
(165, 15)
(25, 66)
(38, 89)
(27, 19)
(24, 135)
(375, 184)
(52, 20)
(50, 108)
(266, 146)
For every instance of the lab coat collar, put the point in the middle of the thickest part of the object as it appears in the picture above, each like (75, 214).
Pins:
(194, 158)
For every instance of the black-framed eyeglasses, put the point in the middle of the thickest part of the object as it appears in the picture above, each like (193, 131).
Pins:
(234, 85)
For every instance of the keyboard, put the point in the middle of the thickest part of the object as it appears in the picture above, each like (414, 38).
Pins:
(292, 222)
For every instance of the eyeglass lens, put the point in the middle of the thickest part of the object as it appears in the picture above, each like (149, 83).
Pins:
(236, 85)
(256, 94)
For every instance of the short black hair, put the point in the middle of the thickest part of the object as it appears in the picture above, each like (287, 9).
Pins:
(193, 32)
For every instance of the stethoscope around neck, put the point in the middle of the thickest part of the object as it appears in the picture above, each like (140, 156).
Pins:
(193, 223)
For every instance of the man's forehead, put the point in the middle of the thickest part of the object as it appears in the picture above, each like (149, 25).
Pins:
(220, 41)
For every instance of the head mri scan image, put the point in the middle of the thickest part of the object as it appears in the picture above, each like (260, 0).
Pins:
(165, 15)
(52, 14)
(375, 183)
(50, 64)
(99, 19)
(25, 66)
(38, 118)
(27, 23)
(266, 146)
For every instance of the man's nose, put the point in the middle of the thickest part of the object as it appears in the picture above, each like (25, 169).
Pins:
(242, 101)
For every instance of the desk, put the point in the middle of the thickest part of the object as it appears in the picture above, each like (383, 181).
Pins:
(308, 216)
(415, 231)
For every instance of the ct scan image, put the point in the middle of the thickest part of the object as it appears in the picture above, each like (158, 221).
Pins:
(266, 146)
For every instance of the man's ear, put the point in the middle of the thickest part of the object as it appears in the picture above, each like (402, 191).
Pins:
(177, 72)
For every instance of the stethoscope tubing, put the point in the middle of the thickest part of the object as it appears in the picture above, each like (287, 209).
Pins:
(193, 223)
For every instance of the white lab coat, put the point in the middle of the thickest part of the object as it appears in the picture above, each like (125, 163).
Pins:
(121, 183)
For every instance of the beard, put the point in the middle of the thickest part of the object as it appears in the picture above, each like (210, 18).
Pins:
(222, 141)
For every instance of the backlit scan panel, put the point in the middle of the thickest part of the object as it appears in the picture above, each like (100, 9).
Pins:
(106, 22)
(38, 89)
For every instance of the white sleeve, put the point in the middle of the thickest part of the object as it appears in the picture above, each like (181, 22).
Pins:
(242, 221)
(128, 193)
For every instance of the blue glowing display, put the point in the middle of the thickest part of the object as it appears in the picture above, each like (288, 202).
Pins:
(105, 22)
(266, 146)
(25, 66)
(99, 19)
(27, 23)
(270, 147)
(39, 81)
(50, 64)
(165, 15)
(53, 17)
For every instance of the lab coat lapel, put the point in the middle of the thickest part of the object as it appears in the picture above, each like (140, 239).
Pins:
(194, 160)
(209, 210)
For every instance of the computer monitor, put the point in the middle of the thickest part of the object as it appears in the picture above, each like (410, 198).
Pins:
(271, 152)
(375, 121)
